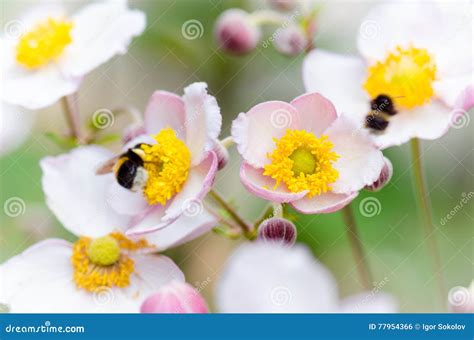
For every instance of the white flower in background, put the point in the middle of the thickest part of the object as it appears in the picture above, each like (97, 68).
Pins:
(15, 126)
(104, 270)
(179, 164)
(415, 61)
(55, 50)
(265, 277)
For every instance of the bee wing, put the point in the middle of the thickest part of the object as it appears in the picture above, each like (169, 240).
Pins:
(107, 166)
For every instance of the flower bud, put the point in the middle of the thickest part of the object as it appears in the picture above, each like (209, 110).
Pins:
(291, 41)
(283, 5)
(384, 177)
(235, 32)
(222, 155)
(175, 297)
(276, 229)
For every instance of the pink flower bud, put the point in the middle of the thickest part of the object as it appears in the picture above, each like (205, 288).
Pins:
(384, 177)
(291, 40)
(235, 32)
(175, 297)
(283, 5)
(277, 229)
(222, 155)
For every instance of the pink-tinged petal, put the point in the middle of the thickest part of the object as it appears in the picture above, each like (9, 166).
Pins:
(175, 297)
(194, 222)
(465, 100)
(450, 89)
(125, 201)
(339, 78)
(165, 110)
(384, 177)
(254, 132)
(203, 120)
(360, 161)
(328, 202)
(398, 23)
(264, 186)
(148, 221)
(316, 113)
(76, 195)
(430, 122)
(199, 182)
(369, 302)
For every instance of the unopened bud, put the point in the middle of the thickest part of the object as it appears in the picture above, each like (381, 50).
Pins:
(236, 33)
(175, 297)
(276, 229)
(384, 177)
(291, 40)
(222, 155)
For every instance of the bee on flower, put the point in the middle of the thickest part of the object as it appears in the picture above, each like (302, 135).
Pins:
(55, 49)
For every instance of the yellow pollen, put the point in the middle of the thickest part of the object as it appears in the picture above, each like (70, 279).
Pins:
(406, 75)
(44, 43)
(167, 163)
(104, 262)
(303, 162)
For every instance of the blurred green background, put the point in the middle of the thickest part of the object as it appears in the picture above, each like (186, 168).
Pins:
(163, 59)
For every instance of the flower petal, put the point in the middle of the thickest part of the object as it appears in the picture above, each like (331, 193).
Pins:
(125, 201)
(339, 78)
(165, 109)
(101, 31)
(203, 120)
(450, 88)
(359, 163)
(265, 277)
(430, 122)
(187, 227)
(264, 186)
(368, 302)
(76, 195)
(27, 88)
(254, 131)
(15, 127)
(316, 113)
(40, 280)
(323, 204)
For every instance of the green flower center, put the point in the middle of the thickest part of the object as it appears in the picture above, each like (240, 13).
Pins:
(103, 251)
(303, 162)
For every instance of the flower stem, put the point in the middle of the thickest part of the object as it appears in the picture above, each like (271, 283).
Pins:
(247, 230)
(72, 117)
(357, 249)
(425, 206)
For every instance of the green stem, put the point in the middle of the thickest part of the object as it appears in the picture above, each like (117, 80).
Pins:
(247, 230)
(425, 206)
(357, 249)
(72, 118)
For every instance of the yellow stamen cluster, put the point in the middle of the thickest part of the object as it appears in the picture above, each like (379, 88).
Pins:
(103, 262)
(167, 163)
(406, 75)
(303, 162)
(44, 43)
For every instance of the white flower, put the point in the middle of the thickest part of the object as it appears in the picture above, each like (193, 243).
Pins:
(15, 126)
(56, 50)
(415, 52)
(104, 270)
(265, 277)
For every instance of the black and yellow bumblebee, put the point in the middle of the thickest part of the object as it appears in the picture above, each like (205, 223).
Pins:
(128, 168)
(382, 108)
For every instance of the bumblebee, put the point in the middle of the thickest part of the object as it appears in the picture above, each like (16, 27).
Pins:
(382, 108)
(128, 168)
